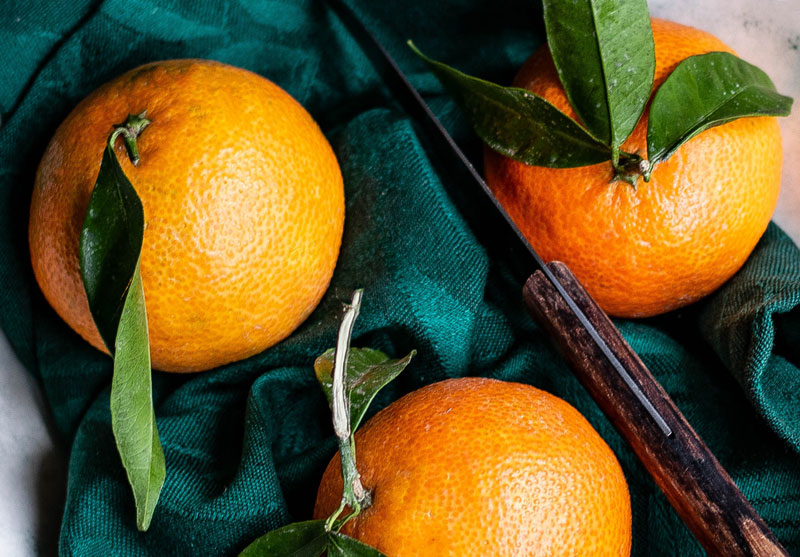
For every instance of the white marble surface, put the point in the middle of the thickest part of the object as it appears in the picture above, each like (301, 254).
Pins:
(32, 469)
(32, 465)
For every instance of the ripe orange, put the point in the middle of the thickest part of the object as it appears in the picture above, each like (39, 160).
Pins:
(243, 202)
(483, 467)
(669, 242)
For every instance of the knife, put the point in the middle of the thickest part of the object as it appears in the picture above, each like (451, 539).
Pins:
(694, 482)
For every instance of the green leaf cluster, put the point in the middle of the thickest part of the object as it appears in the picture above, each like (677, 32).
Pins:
(110, 245)
(368, 371)
(350, 378)
(604, 54)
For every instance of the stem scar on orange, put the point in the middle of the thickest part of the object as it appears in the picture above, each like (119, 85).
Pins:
(668, 242)
(243, 203)
(476, 466)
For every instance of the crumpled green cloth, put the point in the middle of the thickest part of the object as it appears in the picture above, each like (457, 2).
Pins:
(246, 444)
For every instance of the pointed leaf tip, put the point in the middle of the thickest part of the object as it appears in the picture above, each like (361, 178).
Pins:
(605, 57)
(109, 250)
(704, 91)
(133, 420)
(518, 123)
(368, 371)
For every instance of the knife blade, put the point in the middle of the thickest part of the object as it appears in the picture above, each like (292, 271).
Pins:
(695, 483)
(548, 273)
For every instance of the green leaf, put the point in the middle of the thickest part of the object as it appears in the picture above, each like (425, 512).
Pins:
(705, 91)
(368, 371)
(340, 545)
(359, 375)
(110, 244)
(300, 539)
(132, 417)
(518, 123)
(603, 51)
(307, 539)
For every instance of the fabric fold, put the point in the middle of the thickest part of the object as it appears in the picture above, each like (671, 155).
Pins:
(246, 444)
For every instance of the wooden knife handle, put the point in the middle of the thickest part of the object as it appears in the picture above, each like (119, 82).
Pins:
(694, 482)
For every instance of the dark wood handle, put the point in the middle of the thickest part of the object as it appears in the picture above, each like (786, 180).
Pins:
(694, 482)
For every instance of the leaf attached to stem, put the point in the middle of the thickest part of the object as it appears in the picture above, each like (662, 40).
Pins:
(110, 246)
(517, 123)
(605, 57)
(705, 91)
(351, 378)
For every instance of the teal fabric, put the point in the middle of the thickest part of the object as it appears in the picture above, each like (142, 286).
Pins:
(246, 444)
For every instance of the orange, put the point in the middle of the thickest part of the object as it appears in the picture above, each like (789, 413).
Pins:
(243, 203)
(478, 466)
(668, 242)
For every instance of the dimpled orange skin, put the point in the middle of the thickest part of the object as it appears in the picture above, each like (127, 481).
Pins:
(669, 242)
(478, 466)
(243, 203)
